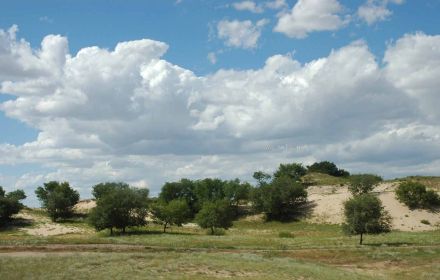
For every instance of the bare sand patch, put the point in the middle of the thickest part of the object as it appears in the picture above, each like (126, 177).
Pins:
(329, 202)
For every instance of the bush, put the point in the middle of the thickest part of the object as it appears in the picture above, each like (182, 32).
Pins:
(58, 199)
(426, 222)
(415, 195)
(363, 183)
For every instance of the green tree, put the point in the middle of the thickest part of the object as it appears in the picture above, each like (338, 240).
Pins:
(58, 199)
(10, 204)
(281, 199)
(415, 195)
(214, 215)
(183, 189)
(236, 191)
(119, 207)
(293, 170)
(364, 214)
(327, 167)
(363, 183)
(175, 212)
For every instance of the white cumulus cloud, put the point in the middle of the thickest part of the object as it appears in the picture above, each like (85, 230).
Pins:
(240, 34)
(127, 114)
(310, 16)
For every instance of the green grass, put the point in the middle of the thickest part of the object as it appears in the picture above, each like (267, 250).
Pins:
(249, 250)
(166, 265)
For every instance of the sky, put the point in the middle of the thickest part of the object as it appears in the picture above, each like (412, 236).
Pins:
(147, 92)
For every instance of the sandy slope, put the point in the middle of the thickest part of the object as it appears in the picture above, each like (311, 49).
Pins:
(44, 227)
(329, 201)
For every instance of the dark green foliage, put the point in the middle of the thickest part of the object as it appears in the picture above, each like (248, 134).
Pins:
(119, 207)
(10, 204)
(196, 193)
(364, 214)
(104, 188)
(415, 195)
(175, 212)
(214, 215)
(58, 199)
(184, 189)
(209, 190)
(281, 199)
(293, 170)
(236, 191)
(329, 168)
(363, 183)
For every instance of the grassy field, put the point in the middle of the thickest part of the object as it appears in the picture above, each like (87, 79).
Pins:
(251, 249)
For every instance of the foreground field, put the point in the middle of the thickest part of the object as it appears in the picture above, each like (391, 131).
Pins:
(252, 249)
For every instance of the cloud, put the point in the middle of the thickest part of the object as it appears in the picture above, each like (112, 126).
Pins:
(276, 4)
(248, 6)
(127, 114)
(373, 11)
(311, 16)
(212, 57)
(240, 34)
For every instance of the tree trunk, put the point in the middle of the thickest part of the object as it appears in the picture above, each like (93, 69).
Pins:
(164, 227)
(111, 231)
(212, 230)
(360, 241)
(123, 230)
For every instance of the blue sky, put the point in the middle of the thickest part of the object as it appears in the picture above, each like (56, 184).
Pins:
(204, 37)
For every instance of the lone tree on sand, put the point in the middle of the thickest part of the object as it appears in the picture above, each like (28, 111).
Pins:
(364, 214)
(58, 199)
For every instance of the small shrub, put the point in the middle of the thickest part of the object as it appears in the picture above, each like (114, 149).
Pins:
(426, 222)
(285, 234)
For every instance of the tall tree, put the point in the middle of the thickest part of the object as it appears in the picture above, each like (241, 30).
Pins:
(58, 199)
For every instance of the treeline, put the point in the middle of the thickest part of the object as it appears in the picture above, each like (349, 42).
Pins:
(214, 203)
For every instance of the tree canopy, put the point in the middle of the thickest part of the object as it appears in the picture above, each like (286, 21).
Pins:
(58, 198)
(118, 206)
(216, 214)
(174, 212)
(363, 183)
(329, 168)
(10, 204)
